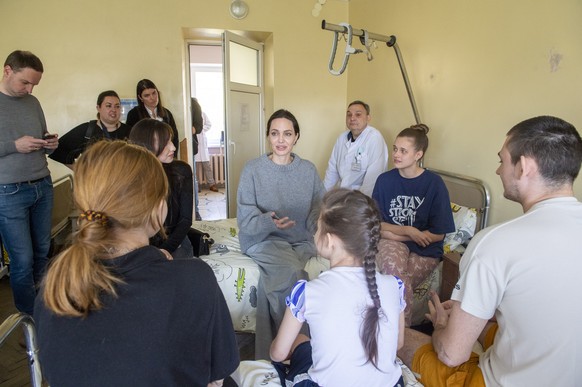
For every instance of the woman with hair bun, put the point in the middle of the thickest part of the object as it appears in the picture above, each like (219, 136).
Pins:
(355, 314)
(112, 310)
(416, 213)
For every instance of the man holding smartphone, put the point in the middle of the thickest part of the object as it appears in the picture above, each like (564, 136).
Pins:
(26, 192)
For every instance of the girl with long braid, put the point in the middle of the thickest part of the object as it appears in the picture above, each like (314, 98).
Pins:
(355, 315)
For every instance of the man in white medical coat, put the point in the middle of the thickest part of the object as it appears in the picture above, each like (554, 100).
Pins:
(360, 154)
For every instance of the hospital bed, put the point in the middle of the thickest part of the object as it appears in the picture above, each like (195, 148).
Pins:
(238, 275)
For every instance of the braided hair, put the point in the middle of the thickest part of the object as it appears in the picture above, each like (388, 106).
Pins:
(355, 219)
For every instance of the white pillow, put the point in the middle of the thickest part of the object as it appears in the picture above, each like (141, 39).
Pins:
(465, 219)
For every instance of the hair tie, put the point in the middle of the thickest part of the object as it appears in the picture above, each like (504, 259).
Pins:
(94, 216)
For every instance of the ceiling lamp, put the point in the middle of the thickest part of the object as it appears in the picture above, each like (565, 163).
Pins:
(239, 9)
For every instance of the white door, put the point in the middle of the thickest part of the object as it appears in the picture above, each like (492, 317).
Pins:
(243, 81)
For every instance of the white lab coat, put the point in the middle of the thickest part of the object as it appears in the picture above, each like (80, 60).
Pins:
(202, 154)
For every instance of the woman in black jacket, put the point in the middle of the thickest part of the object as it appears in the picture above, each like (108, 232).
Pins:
(156, 136)
(107, 126)
(149, 105)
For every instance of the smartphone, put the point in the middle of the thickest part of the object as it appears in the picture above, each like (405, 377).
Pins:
(48, 136)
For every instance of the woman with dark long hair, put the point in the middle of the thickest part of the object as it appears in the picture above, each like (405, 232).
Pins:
(156, 137)
(149, 105)
(277, 204)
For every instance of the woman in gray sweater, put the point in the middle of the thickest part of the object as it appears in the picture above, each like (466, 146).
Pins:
(277, 206)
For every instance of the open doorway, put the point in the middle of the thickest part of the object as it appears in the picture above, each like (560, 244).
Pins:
(226, 76)
(207, 86)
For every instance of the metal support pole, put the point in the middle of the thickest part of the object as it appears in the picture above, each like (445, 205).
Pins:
(390, 42)
(407, 83)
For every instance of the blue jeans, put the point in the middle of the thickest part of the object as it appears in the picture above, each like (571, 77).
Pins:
(25, 228)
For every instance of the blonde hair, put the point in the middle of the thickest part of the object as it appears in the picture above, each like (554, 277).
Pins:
(124, 184)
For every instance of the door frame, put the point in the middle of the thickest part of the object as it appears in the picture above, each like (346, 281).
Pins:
(205, 36)
(231, 87)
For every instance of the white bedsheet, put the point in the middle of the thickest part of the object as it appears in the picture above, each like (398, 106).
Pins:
(252, 373)
(237, 274)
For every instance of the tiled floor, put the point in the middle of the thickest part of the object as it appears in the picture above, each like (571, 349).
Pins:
(14, 370)
(212, 205)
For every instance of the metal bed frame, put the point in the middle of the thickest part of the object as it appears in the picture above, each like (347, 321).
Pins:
(8, 326)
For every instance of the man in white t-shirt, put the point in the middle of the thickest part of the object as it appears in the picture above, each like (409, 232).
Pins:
(523, 274)
(359, 155)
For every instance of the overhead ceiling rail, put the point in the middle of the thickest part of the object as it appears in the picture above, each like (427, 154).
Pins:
(367, 39)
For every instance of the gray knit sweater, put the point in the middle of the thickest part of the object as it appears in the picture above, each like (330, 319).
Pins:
(294, 190)
(21, 116)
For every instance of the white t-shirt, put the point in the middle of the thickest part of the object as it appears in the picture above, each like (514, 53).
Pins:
(334, 307)
(527, 273)
(357, 165)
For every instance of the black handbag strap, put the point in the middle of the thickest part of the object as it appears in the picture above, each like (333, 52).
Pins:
(90, 129)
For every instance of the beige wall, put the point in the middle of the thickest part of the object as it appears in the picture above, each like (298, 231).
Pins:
(477, 68)
(88, 47)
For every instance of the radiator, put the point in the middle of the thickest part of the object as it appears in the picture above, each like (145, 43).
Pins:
(217, 164)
